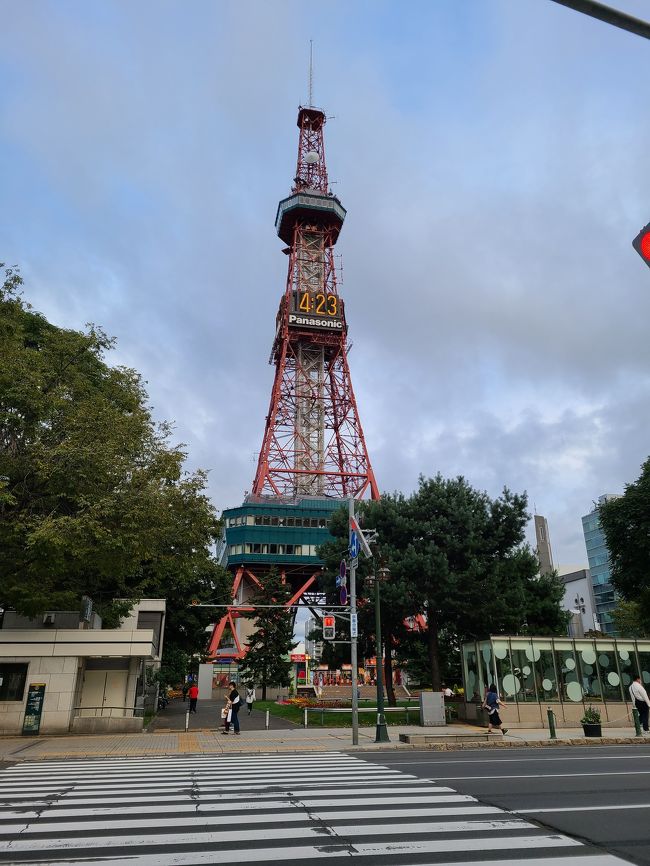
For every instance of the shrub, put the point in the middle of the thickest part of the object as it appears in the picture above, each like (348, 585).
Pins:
(591, 716)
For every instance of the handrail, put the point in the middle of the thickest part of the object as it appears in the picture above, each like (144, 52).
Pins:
(134, 712)
(322, 710)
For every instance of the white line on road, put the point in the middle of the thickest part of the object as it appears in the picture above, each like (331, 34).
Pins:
(411, 786)
(429, 797)
(506, 759)
(268, 835)
(498, 778)
(291, 815)
(581, 809)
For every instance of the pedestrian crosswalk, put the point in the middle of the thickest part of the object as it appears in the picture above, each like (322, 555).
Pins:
(247, 809)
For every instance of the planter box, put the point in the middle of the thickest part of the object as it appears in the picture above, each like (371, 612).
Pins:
(594, 730)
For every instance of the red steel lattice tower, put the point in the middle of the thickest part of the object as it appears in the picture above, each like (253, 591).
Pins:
(313, 441)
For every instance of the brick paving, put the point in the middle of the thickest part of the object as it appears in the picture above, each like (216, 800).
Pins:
(294, 740)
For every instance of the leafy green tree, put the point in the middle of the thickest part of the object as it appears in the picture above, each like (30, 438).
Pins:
(458, 559)
(267, 661)
(93, 498)
(626, 524)
(470, 568)
(629, 620)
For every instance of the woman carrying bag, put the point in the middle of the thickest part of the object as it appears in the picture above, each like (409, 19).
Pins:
(492, 704)
(233, 705)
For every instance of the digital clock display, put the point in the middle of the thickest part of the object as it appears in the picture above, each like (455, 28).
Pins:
(317, 304)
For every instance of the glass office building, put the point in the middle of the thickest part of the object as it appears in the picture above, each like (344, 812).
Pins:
(599, 566)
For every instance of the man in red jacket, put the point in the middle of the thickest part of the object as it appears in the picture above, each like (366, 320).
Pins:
(193, 695)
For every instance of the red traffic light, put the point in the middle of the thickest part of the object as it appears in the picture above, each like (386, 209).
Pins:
(641, 244)
(329, 627)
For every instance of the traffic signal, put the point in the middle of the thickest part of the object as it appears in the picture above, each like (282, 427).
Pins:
(329, 627)
(641, 244)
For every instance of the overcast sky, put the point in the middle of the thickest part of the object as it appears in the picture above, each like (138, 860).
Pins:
(493, 159)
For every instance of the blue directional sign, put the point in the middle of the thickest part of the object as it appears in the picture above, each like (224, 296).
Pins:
(354, 545)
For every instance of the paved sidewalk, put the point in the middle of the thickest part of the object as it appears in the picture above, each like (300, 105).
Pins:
(208, 715)
(205, 741)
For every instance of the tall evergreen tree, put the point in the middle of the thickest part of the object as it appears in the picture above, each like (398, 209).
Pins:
(267, 661)
(459, 560)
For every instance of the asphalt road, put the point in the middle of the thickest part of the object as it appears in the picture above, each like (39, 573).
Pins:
(599, 794)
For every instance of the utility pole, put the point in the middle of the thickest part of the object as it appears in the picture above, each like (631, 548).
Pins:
(609, 15)
(353, 635)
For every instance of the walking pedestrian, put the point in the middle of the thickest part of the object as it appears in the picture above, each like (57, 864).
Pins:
(641, 701)
(233, 711)
(492, 703)
(193, 695)
(186, 688)
(250, 697)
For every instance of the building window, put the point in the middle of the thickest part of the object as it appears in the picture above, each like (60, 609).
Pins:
(291, 521)
(249, 548)
(12, 681)
(299, 521)
(273, 548)
(314, 521)
(322, 522)
(266, 521)
(289, 549)
(274, 521)
(258, 520)
(265, 548)
(257, 548)
(297, 550)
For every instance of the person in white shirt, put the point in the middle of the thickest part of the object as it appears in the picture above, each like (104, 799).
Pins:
(641, 701)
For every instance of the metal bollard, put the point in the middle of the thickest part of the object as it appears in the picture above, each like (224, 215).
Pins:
(268, 713)
(305, 716)
(187, 721)
(637, 722)
(551, 723)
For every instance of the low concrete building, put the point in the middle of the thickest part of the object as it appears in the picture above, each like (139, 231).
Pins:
(89, 679)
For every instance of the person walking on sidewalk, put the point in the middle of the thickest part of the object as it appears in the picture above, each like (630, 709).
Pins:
(492, 704)
(250, 698)
(233, 711)
(641, 701)
(193, 695)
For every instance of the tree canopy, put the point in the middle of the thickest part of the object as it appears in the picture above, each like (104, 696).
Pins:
(458, 559)
(94, 500)
(626, 524)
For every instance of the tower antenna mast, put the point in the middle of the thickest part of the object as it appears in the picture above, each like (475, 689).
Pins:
(311, 73)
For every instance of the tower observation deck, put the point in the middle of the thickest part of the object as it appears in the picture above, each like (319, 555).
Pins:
(313, 456)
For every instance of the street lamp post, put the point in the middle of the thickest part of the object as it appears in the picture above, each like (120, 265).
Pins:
(381, 731)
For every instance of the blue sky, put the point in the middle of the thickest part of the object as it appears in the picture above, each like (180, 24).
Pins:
(493, 161)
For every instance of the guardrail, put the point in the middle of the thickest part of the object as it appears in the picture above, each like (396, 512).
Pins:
(110, 712)
(322, 710)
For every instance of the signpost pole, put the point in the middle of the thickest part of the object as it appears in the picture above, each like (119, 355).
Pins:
(353, 639)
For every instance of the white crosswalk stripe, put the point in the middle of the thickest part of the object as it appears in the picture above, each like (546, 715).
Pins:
(190, 811)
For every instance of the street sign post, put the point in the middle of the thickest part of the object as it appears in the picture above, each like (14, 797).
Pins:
(34, 708)
(354, 625)
(353, 638)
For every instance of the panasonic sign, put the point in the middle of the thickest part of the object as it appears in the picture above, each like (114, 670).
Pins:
(308, 322)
